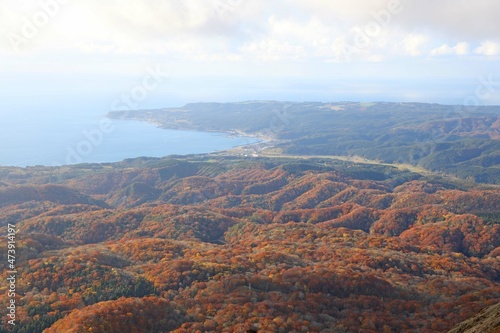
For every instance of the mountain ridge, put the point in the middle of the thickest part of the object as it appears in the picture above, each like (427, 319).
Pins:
(459, 140)
(237, 243)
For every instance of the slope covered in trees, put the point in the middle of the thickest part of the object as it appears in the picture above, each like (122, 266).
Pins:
(222, 244)
(487, 321)
(459, 140)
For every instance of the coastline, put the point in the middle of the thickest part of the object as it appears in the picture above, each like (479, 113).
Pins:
(264, 141)
(126, 141)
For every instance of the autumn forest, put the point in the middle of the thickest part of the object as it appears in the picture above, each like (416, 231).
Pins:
(218, 243)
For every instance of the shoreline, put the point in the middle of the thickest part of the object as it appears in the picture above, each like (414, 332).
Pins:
(218, 136)
(234, 133)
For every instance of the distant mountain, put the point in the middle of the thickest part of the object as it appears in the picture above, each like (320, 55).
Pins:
(458, 140)
(10, 195)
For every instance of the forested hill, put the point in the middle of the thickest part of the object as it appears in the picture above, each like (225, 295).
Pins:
(225, 244)
(487, 321)
(458, 140)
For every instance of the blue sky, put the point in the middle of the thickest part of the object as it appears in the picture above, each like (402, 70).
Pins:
(228, 50)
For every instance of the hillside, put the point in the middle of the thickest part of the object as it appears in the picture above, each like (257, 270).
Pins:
(217, 243)
(458, 140)
(487, 321)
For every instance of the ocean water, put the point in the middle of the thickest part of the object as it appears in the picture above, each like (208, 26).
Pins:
(50, 119)
(71, 131)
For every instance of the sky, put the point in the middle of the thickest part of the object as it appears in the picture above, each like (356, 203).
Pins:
(168, 52)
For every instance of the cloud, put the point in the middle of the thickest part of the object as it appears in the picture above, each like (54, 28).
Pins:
(413, 44)
(452, 19)
(127, 26)
(287, 38)
(459, 49)
(488, 48)
(461, 19)
(315, 30)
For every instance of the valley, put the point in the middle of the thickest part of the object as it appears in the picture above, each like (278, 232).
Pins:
(217, 243)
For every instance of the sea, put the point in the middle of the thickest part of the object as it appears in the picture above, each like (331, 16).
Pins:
(52, 121)
(64, 131)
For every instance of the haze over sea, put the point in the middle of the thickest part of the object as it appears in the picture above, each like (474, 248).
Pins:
(71, 131)
(47, 124)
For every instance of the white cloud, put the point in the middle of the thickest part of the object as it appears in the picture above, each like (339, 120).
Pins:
(455, 19)
(315, 30)
(274, 50)
(488, 48)
(286, 38)
(459, 49)
(128, 26)
(413, 44)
